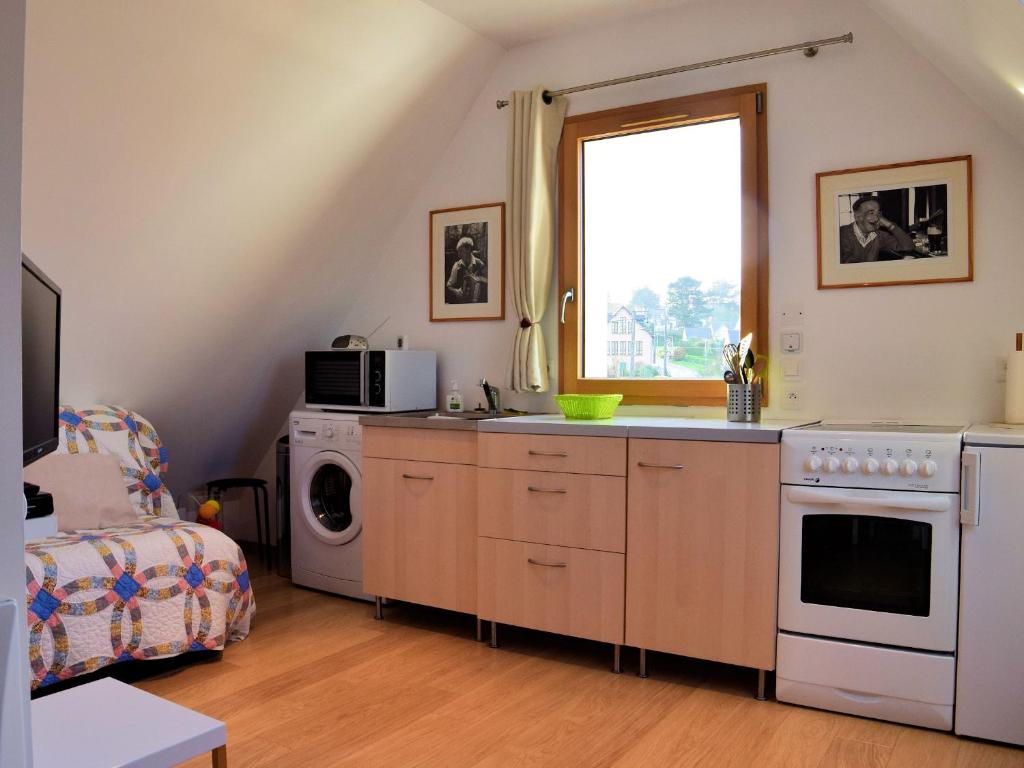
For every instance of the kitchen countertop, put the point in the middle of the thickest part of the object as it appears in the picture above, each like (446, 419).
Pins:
(655, 427)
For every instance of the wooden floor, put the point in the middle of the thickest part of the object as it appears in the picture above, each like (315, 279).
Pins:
(320, 683)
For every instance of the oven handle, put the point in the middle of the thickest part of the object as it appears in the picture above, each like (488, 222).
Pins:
(970, 496)
(924, 502)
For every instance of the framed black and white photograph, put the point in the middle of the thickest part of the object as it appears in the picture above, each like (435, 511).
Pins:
(897, 224)
(467, 263)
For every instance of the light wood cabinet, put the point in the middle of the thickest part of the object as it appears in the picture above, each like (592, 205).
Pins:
(554, 453)
(702, 549)
(419, 519)
(587, 511)
(567, 590)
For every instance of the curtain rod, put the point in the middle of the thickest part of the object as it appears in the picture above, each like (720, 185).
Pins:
(809, 48)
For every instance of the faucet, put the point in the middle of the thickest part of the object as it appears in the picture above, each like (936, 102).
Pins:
(493, 395)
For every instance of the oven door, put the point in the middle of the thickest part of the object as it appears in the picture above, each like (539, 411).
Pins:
(336, 379)
(878, 566)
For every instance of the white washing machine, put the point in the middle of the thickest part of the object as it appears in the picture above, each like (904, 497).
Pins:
(326, 502)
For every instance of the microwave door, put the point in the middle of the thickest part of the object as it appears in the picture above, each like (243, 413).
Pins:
(335, 379)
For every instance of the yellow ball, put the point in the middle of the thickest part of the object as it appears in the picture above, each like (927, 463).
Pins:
(209, 509)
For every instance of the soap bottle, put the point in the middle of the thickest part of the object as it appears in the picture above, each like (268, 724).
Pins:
(454, 398)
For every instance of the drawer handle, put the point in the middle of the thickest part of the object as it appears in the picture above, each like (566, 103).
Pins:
(417, 477)
(559, 454)
(531, 561)
(535, 489)
(648, 465)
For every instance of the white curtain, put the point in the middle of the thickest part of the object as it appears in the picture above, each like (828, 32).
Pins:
(534, 131)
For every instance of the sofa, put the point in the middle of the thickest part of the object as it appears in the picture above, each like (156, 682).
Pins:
(150, 587)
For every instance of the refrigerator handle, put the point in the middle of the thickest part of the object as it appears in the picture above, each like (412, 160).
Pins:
(970, 488)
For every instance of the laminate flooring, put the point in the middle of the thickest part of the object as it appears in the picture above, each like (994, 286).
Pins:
(320, 683)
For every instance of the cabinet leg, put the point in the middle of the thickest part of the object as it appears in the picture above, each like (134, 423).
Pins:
(378, 608)
(762, 676)
(617, 661)
(479, 630)
(494, 634)
(643, 663)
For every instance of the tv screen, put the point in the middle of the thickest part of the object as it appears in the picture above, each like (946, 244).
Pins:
(40, 361)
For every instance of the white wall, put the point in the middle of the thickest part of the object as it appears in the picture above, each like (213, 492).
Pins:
(924, 352)
(14, 713)
(208, 181)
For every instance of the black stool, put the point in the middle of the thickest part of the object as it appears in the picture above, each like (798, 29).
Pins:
(259, 487)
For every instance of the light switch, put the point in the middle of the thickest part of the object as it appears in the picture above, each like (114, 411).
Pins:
(792, 341)
(791, 369)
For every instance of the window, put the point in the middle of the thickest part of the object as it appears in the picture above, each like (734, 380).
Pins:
(611, 347)
(663, 216)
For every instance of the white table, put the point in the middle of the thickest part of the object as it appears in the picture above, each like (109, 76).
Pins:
(107, 724)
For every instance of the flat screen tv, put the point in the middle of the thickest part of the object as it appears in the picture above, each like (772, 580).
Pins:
(40, 361)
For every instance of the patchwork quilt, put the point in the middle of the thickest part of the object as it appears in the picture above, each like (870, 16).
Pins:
(159, 587)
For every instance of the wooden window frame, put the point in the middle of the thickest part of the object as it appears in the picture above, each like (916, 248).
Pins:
(749, 103)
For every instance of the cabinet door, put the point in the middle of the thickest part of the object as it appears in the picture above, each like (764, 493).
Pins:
(702, 549)
(419, 532)
(577, 592)
(587, 511)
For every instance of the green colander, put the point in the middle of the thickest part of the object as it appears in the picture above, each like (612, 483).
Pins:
(588, 406)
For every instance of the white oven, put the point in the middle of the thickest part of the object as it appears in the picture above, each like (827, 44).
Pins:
(868, 570)
(869, 565)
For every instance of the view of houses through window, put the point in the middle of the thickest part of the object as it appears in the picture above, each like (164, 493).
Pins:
(662, 276)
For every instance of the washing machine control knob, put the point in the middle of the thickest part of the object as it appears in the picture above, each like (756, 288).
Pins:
(329, 432)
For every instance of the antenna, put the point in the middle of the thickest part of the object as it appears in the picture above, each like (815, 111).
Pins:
(378, 327)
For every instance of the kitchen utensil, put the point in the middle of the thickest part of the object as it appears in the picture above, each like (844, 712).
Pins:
(758, 370)
(730, 354)
(730, 378)
(745, 347)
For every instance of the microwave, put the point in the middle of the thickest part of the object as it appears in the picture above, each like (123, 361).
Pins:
(379, 380)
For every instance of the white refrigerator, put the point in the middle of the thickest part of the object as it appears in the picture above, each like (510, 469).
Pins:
(990, 653)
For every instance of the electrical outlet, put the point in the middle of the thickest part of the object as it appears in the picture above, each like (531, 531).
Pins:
(792, 400)
(792, 341)
(402, 342)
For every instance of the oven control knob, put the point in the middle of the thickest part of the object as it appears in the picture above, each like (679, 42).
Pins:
(850, 465)
(813, 464)
(889, 467)
(869, 467)
(831, 465)
(927, 468)
(908, 467)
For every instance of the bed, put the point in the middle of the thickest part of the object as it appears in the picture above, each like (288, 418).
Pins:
(154, 588)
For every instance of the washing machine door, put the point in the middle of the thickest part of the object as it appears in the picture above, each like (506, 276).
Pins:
(331, 495)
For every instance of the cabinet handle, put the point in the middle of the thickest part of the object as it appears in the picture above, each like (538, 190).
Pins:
(559, 454)
(535, 489)
(531, 561)
(648, 465)
(417, 477)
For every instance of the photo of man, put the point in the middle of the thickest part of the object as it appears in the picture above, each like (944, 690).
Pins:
(466, 263)
(892, 224)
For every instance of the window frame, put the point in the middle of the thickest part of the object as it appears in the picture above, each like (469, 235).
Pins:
(749, 104)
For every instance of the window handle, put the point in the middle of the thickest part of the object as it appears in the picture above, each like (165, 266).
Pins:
(569, 295)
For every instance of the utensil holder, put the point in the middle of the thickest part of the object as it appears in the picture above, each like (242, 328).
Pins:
(744, 402)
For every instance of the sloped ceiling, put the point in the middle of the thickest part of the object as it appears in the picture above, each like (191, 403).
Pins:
(523, 21)
(979, 45)
(207, 182)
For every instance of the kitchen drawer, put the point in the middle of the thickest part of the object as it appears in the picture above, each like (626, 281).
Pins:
(577, 592)
(554, 453)
(587, 511)
(438, 445)
(419, 532)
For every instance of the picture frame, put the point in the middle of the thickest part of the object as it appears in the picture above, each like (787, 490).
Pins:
(467, 263)
(898, 224)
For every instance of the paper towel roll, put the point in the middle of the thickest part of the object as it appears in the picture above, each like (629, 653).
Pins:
(1015, 388)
